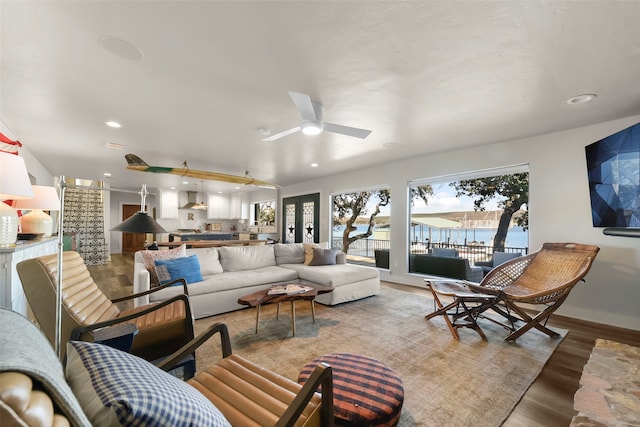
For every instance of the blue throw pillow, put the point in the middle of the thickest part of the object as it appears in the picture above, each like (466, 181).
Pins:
(115, 388)
(187, 268)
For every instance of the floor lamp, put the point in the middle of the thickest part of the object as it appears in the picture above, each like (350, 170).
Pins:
(140, 222)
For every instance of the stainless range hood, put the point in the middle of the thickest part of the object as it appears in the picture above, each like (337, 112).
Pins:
(192, 202)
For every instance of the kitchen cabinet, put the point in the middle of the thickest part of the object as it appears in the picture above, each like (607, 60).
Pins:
(218, 206)
(239, 206)
(168, 204)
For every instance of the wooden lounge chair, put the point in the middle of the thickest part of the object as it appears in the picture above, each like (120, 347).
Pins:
(543, 278)
(161, 328)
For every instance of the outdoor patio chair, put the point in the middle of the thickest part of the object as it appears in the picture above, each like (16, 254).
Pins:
(543, 278)
(162, 328)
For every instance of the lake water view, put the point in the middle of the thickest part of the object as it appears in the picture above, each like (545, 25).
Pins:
(516, 237)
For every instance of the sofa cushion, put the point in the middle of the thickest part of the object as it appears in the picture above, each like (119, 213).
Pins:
(151, 256)
(239, 258)
(187, 268)
(333, 275)
(445, 252)
(208, 259)
(502, 257)
(289, 253)
(232, 280)
(324, 256)
(117, 388)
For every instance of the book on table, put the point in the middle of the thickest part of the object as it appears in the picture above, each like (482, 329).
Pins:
(288, 289)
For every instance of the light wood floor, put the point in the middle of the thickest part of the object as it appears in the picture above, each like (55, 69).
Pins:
(547, 403)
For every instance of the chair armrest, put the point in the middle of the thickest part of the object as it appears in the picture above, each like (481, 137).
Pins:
(322, 375)
(154, 289)
(189, 348)
(77, 332)
(484, 263)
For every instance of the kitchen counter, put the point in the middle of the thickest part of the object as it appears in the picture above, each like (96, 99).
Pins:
(207, 235)
(211, 243)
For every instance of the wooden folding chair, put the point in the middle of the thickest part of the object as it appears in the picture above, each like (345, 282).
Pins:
(541, 278)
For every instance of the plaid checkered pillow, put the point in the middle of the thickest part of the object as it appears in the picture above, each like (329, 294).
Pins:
(117, 388)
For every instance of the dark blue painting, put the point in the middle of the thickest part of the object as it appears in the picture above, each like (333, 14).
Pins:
(613, 164)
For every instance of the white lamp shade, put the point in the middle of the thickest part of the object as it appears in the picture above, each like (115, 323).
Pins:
(44, 197)
(14, 179)
(14, 185)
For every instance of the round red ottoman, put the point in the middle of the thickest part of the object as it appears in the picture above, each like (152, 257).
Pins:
(366, 392)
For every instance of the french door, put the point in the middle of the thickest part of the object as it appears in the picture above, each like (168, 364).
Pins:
(301, 219)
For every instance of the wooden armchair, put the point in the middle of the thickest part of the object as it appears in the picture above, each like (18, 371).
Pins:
(162, 328)
(543, 278)
(35, 389)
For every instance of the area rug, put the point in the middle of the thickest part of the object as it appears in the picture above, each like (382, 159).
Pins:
(446, 382)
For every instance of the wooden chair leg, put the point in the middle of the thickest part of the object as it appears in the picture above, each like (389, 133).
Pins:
(442, 310)
(533, 322)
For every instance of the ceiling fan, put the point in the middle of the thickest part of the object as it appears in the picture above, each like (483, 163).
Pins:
(312, 123)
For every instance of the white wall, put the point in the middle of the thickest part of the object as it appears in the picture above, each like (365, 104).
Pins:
(559, 212)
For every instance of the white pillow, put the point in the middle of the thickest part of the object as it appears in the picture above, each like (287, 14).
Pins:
(208, 259)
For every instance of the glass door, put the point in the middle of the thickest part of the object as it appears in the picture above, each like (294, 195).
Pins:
(300, 219)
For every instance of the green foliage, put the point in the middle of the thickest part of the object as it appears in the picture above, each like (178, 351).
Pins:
(513, 192)
(266, 214)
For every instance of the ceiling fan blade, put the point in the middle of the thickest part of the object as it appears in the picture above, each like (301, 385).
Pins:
(346, 130)
(304, 105)
(282, 134)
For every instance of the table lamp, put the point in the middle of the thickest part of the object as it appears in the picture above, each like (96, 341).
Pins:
(14, 185)
(36, 221)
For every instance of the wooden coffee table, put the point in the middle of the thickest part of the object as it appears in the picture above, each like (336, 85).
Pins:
(262, 297)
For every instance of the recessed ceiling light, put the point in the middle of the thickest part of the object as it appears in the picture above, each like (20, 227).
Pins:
(581, 99)
(185, 182)
(121, 48)
(220, 192)
(113, 124)
(264, 131)
(237, 188)
(172, 188)
(107, 175)
(314, 165)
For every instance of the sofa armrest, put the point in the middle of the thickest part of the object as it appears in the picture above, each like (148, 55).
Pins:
(341, 258)
(141, 283)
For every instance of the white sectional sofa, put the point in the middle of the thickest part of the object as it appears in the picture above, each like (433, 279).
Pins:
(231, 272)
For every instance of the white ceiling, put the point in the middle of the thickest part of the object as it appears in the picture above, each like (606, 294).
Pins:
(428, 76)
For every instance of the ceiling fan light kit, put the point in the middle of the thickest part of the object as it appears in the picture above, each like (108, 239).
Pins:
(312, 123)
(310, 127)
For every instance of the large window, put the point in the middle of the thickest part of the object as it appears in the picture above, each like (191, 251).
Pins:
(263, 213)
(361, 223)
(474, 215)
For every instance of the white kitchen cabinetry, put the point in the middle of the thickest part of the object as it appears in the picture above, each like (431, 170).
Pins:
(168, 204)
(239, 206)
(218, 206)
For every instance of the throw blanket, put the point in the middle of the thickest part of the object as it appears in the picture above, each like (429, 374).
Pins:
(24, 348)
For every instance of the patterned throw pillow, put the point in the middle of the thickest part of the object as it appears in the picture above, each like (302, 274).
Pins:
(117, 388)
(187, 268)
(150, 258)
